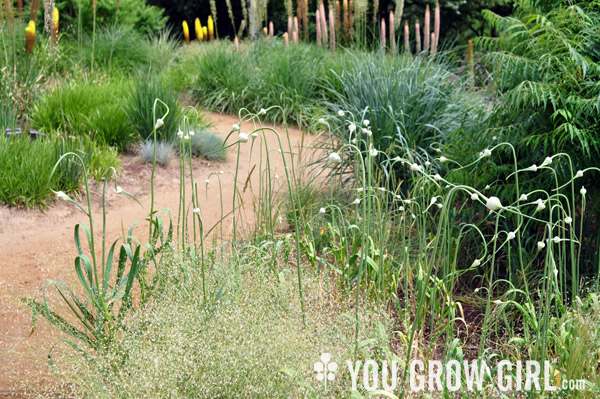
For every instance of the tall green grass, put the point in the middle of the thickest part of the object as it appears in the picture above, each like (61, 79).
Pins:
(120, 49)
(219, 78)
(287, 80)
(139, 107)
(26, 177)
(25, 168)
(88, 109)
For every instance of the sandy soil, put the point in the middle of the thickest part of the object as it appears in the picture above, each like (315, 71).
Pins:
(38, 246)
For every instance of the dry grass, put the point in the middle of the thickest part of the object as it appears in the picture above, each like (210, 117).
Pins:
(248, 341)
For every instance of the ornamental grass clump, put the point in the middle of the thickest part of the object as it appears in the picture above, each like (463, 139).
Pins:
(139, 109)
(221, 78)
(410, 102)
(26, 165)
(87, 110)
(206, 144)
(165, 152)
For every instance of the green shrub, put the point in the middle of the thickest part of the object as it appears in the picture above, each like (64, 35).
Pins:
(548, 77)
(546, 69)
(86, 109)
(140, 108)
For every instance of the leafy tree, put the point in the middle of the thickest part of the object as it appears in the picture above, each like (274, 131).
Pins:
(546, 69)
(546, 74)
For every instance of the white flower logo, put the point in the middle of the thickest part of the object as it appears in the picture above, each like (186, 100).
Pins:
(325, 369)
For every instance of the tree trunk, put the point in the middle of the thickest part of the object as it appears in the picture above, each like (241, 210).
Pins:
(253, 19)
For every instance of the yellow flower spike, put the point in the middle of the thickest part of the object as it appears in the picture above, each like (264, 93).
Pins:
(55, 20)
(204, 33)
(55, 17)
(265, 31)
(30, 37)
(211, 28)
(186, 31)
(198, 29)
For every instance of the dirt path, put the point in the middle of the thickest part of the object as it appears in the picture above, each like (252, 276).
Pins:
(38, 246)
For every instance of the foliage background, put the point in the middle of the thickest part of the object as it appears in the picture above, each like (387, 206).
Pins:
(461, 19)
